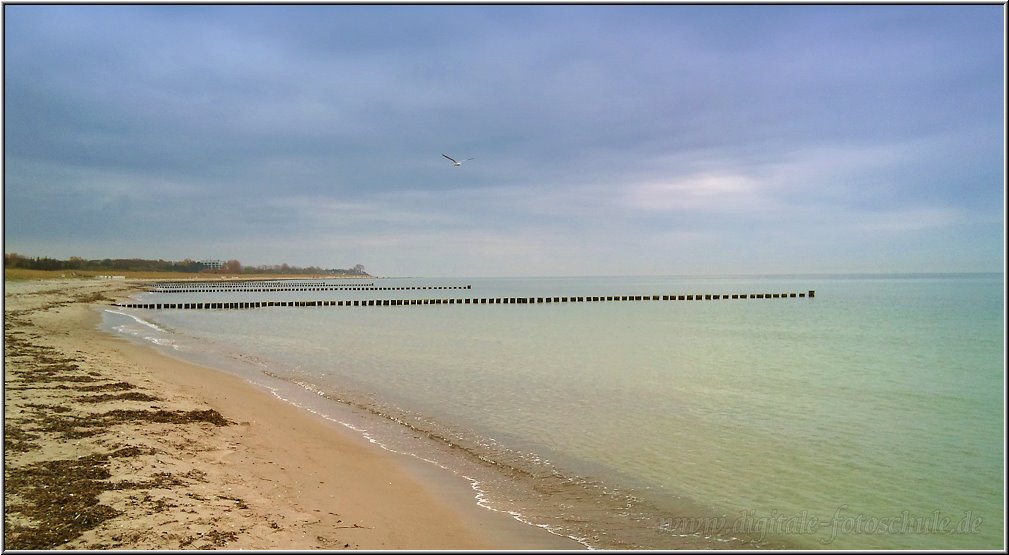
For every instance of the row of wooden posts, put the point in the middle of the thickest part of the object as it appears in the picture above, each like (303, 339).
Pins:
(224, 286)
(493, 300)
(326, 287)
(254, 282)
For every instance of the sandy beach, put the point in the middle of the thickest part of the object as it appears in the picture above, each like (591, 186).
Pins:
(111, 445)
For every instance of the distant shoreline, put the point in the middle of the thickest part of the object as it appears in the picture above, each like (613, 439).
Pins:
(21, 274)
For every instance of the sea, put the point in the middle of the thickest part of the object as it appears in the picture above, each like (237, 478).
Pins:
(869, 415)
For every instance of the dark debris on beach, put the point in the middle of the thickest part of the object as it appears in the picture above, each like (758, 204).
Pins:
(49, 503)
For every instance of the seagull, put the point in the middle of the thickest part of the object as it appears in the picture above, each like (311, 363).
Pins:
(455, 162)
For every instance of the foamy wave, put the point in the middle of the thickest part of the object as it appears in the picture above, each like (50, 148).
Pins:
(163, 342)
(139, 320)
(125, 329)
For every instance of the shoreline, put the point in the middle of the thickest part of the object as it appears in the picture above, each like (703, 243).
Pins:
(186, 456)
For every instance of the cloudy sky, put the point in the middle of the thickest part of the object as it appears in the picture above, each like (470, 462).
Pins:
(608, 140)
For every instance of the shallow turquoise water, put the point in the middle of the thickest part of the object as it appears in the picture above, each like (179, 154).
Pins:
(870, 416)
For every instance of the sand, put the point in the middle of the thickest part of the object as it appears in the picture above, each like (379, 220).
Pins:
(111, 445)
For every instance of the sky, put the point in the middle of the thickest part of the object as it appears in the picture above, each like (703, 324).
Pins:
(608, 139)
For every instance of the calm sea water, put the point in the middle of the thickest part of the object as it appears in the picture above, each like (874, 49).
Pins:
(871, 416)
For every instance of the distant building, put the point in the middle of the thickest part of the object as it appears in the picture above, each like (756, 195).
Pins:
(212, 264)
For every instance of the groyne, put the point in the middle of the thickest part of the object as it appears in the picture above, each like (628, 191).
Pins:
(469, 300)
(267, 288)
(212, 287)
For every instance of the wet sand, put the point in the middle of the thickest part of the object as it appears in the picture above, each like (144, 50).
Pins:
(110, 445)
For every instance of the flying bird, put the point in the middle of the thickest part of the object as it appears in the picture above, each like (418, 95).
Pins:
(455, 162)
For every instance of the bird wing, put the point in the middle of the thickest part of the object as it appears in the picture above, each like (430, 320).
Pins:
(468, 159)
(449, 157)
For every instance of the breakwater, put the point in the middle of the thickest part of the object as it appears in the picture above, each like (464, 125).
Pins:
(470, 301)
(282, 285)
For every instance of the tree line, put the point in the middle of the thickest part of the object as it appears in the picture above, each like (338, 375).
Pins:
(14, 260)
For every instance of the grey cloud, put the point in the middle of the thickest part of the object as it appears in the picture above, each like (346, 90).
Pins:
(250, 112)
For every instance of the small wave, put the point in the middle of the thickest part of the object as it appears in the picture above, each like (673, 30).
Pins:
(127, 329)
(164, 342)
(139, 320)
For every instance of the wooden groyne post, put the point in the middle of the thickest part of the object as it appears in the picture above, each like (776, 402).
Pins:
(453, 300)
